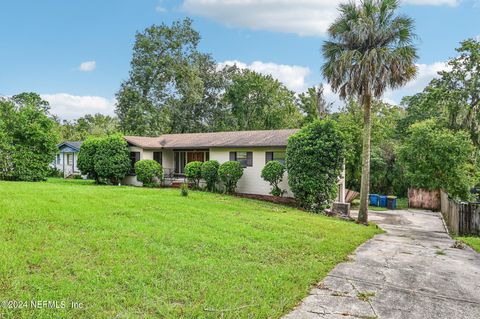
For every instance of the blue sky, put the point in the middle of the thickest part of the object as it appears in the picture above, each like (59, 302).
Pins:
(76, 53)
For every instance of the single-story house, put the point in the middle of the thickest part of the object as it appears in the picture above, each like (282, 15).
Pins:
(253, 149)
(66, 160)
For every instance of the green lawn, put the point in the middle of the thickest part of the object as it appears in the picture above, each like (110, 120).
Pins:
(126, 252)
(472, 241)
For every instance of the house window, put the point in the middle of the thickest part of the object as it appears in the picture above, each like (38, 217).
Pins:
(275, 156)
(134, 157)
(58, 158)
(69, 159)
(157, 156)
(244, 158)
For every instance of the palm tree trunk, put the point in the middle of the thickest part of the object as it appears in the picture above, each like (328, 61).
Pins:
(365, 183)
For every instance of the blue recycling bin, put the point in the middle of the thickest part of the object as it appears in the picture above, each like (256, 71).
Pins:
(383, 201)
(373, 199)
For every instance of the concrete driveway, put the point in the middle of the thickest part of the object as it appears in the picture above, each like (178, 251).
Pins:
(411, 271)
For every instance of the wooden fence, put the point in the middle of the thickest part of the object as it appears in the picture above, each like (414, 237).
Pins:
(421, 198)
(461, 218)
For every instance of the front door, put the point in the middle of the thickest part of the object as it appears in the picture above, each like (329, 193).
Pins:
(195, 157)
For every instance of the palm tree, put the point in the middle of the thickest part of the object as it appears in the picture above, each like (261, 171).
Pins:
(370, 50)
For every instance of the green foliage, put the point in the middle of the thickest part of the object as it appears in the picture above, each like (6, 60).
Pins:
(210, 174)
(259, 102)
(97, 125)
(438, 158)
(193, 171)
(314, 162)
(172, 86)
(28, 138)
(386, 173)
(370, 49)
(112, 160)
(453, 99)
(230, 173)
(313, 104)
(273, 173)
(87, 157)
(149, 172)
(184, 189)
(54, 172)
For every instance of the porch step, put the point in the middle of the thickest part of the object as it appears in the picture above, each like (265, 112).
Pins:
(177, 183)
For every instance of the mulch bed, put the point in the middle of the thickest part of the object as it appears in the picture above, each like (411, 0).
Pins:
(289, 201)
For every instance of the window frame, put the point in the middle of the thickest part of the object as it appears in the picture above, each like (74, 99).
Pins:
(244, 162)
(270, 156)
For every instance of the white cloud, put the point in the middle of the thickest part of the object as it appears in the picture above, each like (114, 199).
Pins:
(303, 17)
(160, 8)
(293, 76)
(69, 107)
(87, 66)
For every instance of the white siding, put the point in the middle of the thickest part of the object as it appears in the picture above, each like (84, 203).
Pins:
(167, 162)
(251, 181)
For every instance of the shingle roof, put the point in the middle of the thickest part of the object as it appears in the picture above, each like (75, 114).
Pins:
(72, 144)
(273, 138)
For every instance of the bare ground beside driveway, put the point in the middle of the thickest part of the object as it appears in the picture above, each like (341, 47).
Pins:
(411, 271)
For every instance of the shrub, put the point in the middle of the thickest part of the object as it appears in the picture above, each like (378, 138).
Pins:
(28, 138)
(54, 172)
(229, 173)
(314, 162)
(86, 158)
(112, 160)
(273, 172)
(438, 158)
(148, 172)
(193, 171)
(184, 189)
(210, 174)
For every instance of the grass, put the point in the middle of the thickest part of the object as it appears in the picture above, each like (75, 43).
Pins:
(125, 252)
(472, 241)
(365, 296)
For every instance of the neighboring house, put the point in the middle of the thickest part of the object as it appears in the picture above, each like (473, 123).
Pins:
(253, 149)
(66, 160)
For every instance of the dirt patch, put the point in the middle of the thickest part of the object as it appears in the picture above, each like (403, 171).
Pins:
(289, 201)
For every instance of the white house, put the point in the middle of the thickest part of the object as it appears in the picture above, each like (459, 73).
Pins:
(66, 160)
(253, 149)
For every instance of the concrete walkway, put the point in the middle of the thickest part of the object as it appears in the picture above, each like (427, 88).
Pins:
(411, 271)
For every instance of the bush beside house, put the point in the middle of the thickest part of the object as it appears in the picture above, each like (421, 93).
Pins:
(314, 160)
(105, 158)
(230, 173)
(86, 158)
(149, 172)
(273, 173)
(210, 174)
(193, 171)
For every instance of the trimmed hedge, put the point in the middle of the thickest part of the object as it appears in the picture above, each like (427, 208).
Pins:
(273, 173)
(230, 173)
(149, 172)
(193, 171)
(112, 161)
(210, 174)
(314, 160)
(86, 158)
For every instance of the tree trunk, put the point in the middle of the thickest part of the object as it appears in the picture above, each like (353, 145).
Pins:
(365, 183)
